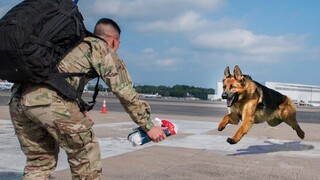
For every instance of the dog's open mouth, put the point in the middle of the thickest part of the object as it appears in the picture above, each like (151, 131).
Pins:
(232, 99)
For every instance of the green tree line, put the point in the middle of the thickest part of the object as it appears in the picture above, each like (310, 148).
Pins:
(176, 91)
(180, 91)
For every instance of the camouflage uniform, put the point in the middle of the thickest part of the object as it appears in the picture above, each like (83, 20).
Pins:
(44, 120)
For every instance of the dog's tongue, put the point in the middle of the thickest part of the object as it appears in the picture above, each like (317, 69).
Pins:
(230, 101)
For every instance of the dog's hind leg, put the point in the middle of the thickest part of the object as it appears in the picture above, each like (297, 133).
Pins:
(287, 113)
(291, 122)
(294, 124)
(299, 131)
(231, 118)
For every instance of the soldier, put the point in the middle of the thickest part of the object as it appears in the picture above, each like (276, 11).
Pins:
(44, 120)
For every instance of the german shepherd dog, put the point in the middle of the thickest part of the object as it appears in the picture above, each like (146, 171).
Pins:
(252, 103)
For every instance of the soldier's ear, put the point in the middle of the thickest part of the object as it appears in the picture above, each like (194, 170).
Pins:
(226, 73)
(238, 74)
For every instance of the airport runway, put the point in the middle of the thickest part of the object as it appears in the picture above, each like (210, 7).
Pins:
(198, 151)
(184, 107)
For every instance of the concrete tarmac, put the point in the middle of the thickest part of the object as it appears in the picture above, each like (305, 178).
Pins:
(198, 151)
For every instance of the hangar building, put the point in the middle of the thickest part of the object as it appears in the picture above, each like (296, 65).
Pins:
(299, 93)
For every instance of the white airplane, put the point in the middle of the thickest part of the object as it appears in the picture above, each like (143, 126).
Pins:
(5, 85)
(151, 95)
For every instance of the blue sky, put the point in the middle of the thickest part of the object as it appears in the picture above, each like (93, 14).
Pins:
(169, 42)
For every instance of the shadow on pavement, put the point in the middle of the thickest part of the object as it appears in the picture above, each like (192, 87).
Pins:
(273, 147)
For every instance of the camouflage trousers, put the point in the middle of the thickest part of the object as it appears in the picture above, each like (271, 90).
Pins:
(44, 122)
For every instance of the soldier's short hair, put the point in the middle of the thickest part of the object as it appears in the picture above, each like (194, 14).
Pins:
(108, 21)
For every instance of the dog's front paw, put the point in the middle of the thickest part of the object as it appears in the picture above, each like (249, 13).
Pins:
(221, 128)
(231, 141)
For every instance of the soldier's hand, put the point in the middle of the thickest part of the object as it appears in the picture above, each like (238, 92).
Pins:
(156, 133)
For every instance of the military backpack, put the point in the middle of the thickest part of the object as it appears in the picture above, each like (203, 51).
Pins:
(35, 35)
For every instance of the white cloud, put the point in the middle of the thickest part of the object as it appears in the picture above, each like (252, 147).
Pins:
(246, 42)
(189, 21)
(166, 62)
(157, 63)
(148, 9)
(148, 59)
(148, 51)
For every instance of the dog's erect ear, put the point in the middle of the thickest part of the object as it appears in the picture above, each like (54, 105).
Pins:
(226, 73)
(238, 74)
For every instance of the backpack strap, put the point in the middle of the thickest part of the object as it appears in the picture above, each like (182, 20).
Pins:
(58, 82)
(87, 106)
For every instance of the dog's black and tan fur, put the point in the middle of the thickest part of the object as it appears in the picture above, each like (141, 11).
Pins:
(252, 103)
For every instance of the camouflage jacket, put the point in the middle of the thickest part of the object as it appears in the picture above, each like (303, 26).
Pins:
(94, 53)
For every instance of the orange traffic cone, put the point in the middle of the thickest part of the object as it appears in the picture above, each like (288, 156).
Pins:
(104, 107)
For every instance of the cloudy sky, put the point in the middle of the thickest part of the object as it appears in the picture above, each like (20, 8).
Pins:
(190, 42)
